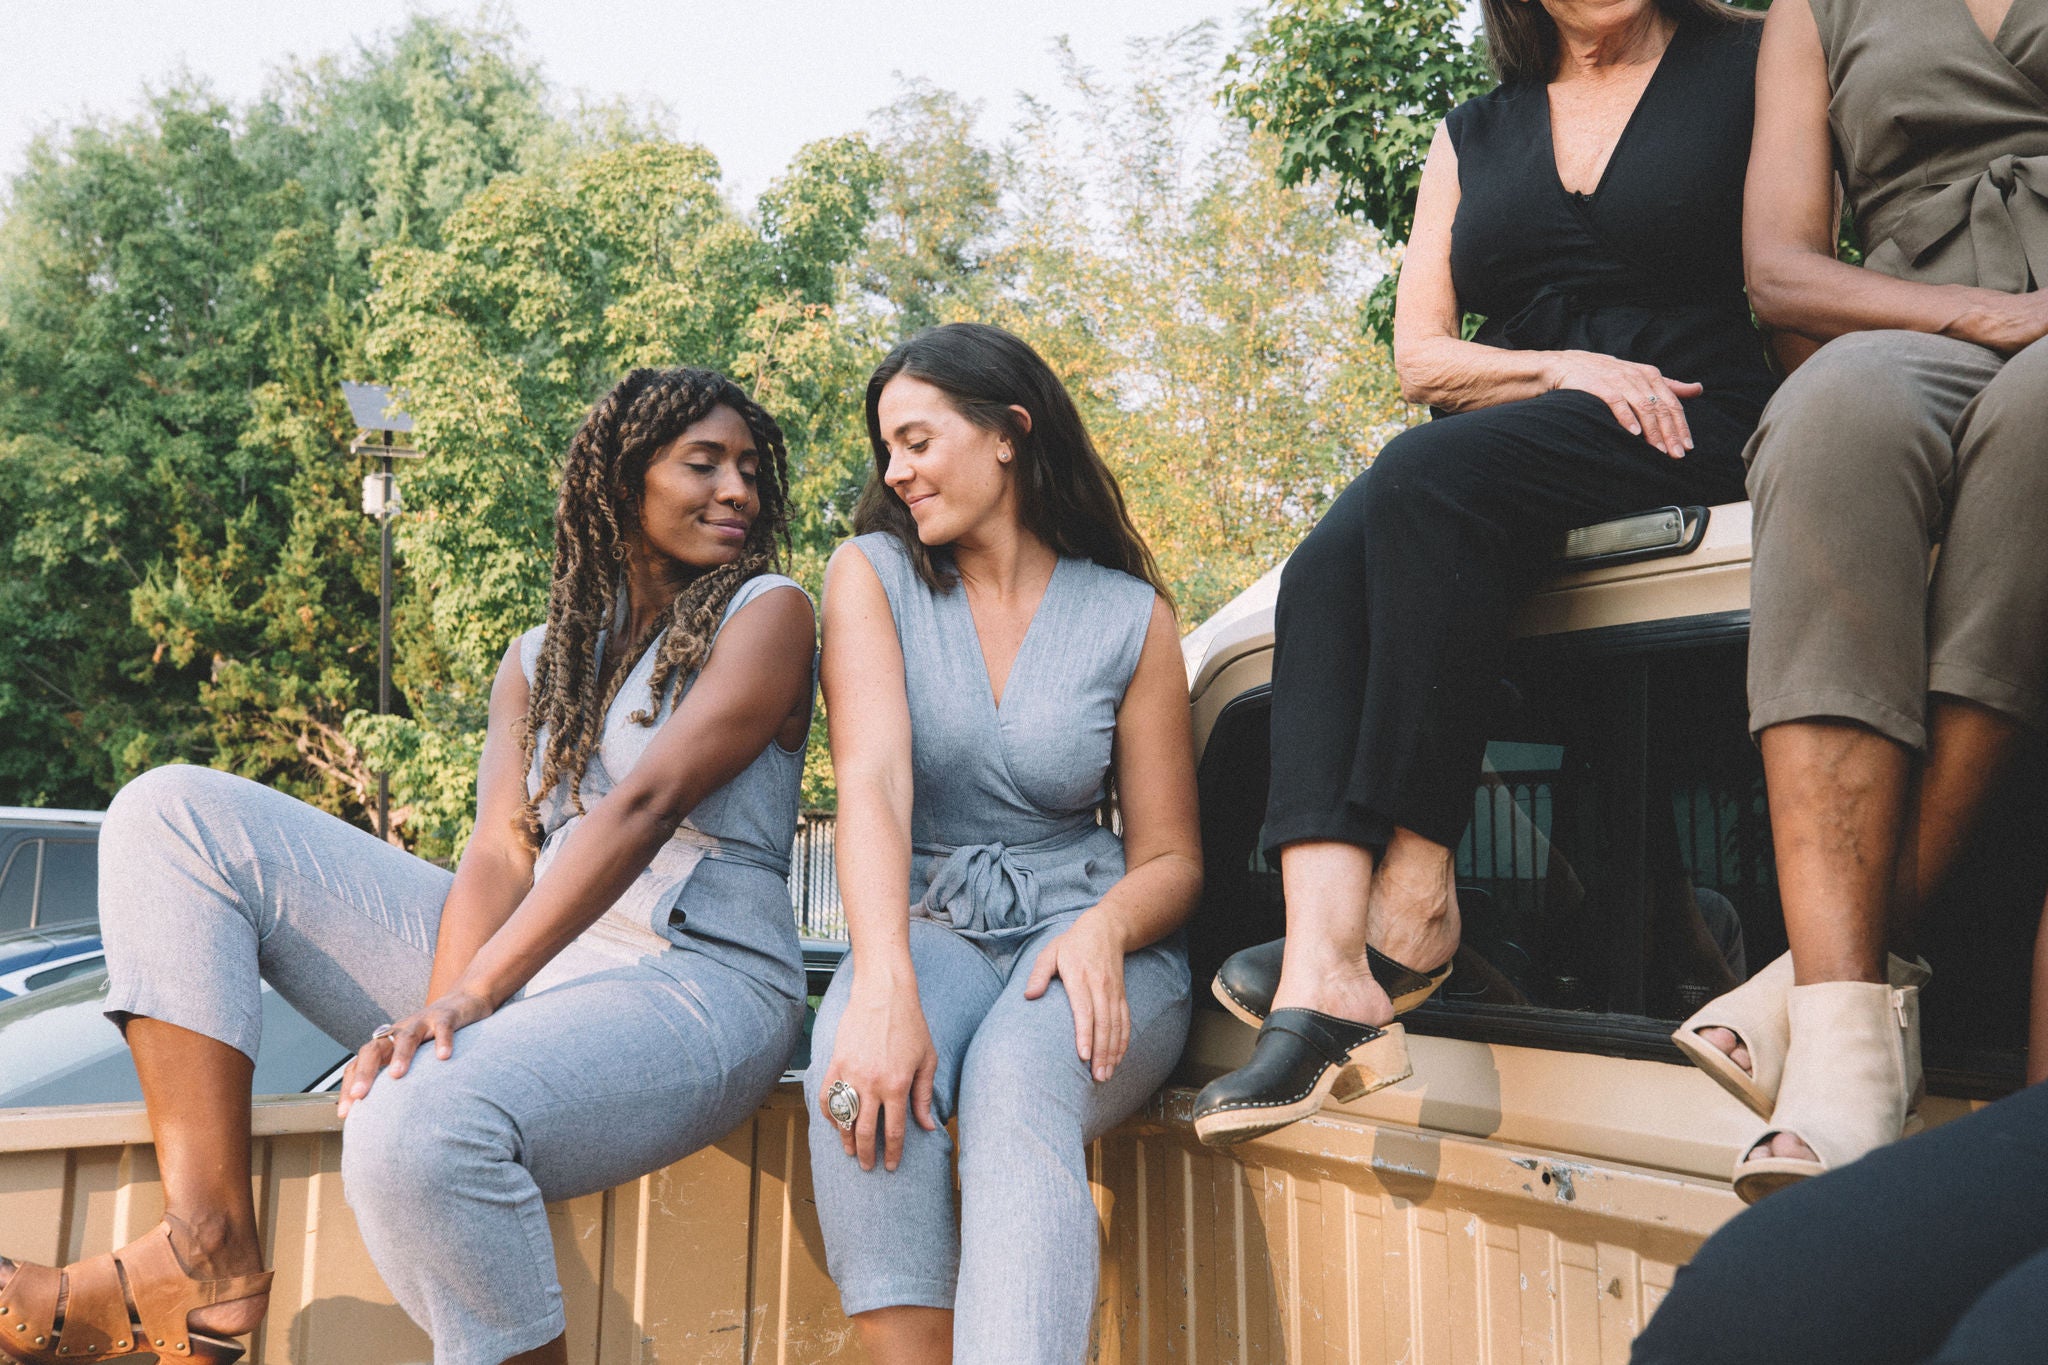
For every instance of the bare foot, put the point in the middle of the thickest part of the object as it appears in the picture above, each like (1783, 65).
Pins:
(1320, 977)
(1731, 1043)
(1411, 916)
(1412, 913)
(1784, 1145)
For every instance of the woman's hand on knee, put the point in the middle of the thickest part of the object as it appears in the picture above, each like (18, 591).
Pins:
(393, 1047)
(1640, 396)
(1089, 958)
(884, 1051)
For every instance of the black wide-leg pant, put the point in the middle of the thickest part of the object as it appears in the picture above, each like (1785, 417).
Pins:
(1393, 612)
(1934, 1249)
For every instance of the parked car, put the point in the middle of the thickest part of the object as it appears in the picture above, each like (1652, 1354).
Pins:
(31, 959)
(49, 867)
(57, 1048)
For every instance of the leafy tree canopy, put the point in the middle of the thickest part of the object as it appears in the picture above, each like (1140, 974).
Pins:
(185, 573)
(1353, 91)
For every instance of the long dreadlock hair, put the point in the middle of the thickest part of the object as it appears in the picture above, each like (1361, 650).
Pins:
(597, 522)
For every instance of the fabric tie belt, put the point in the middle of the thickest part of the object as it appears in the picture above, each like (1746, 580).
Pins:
(992, 888)
(2005, 210)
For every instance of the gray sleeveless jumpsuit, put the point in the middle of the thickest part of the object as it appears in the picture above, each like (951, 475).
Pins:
(1006, 853)
(652, 1034)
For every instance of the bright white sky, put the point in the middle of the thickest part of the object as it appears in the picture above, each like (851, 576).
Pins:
(752, 80)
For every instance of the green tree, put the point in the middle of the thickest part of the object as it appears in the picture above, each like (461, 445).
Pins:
(183, 573)
(938, 209)
(1352, 90)
(544, 289)
(1208, 317)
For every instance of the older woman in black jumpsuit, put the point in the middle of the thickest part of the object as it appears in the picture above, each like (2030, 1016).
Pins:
(1590, 209)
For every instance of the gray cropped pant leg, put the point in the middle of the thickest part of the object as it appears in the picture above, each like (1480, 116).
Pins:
(208, 882)
(1880, 447)
(1019, 1269)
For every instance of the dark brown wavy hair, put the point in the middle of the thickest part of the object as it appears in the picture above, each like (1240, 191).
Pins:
(1066, 495)
(1521, 37)
(597, 521)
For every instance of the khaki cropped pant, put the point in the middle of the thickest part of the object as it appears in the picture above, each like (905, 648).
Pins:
(1881, 447)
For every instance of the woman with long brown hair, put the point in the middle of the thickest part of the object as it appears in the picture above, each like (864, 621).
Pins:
(608, 981)
(995, 642)
(1590, 210)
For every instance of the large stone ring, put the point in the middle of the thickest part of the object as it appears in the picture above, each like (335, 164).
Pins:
(383, 1031)
(842, 1102)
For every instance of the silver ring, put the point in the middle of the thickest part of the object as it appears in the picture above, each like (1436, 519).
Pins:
(1653, 400)
(383, 1031)
(842, 1102)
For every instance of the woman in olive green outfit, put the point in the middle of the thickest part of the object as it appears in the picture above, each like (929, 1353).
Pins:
(1884, 696)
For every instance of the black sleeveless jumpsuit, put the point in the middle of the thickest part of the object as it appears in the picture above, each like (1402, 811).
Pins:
(1393, 611)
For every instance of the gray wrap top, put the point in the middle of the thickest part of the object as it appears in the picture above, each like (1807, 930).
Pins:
(720, 886)
(1003, 812)
(1941, 137)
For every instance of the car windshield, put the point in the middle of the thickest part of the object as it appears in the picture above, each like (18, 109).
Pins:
(56, 1047)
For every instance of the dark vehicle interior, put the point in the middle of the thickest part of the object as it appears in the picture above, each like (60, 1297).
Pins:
(1618, 872)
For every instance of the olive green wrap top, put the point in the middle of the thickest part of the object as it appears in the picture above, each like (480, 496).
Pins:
(1941, 138)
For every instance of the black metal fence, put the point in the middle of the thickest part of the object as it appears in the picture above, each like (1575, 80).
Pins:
(814, 878)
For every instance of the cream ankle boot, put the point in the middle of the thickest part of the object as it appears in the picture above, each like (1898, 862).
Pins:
(1851, 1076)
(1755, 1013)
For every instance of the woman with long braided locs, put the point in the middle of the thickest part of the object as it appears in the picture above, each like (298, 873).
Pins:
(596, 521)
(611, 974)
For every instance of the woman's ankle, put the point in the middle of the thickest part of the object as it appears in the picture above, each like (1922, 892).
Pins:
(213, 1244)
(1334, 985)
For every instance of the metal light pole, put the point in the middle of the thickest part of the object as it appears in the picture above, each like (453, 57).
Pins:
(384, 431)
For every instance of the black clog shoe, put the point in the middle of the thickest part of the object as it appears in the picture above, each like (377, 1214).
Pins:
(1301, 1057)
(1247, 980)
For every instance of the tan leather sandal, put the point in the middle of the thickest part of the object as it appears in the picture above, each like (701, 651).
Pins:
(1851, 1078)
(131, 1302)
(1755, 1013)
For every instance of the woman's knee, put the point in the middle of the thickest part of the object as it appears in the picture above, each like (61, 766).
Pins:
(1335, 545)
(162, 795)
(2010, 411)
(415, 1141)
(1015, 1102)
(1838, 415)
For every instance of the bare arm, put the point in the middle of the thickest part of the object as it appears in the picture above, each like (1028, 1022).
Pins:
(496, 870)
(758, 673)
(1155, 764)
(1789, 220)
(883, 1048)
(1437, 366)
(500, 927)
(1432, 360)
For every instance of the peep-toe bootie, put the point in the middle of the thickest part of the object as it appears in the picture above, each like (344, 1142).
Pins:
(1301, 1057)
(1755, 1013)
(1851, 1076)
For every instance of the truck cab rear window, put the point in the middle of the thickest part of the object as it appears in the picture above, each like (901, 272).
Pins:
(1618, 870)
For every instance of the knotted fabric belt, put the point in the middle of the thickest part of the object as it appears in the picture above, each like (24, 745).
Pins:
(2005, 210)
(991, 888)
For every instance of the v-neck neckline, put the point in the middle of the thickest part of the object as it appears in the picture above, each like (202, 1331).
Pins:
(1993, 40)
(988, 686)
(1586, 198)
